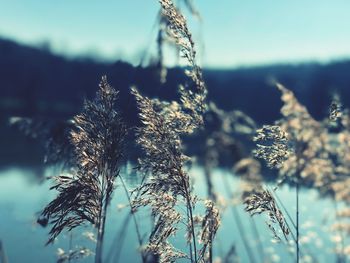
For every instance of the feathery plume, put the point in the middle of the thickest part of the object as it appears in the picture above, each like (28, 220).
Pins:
(275, 149)
(263, 202)
(194, 92)
(164, 162)
(83, 197)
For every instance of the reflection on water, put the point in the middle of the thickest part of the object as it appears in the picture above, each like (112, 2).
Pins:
(21, 198)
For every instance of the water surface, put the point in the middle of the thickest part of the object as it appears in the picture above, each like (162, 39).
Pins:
(22, 197)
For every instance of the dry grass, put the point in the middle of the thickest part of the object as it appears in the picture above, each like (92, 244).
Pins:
(304, 151)
(83, 196)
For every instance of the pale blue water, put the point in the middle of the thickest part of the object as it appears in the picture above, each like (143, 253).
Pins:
(21, 198)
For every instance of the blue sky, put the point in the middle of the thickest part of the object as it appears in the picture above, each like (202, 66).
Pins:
(232, 33)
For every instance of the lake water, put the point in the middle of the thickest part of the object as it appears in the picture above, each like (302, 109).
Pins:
(22, 197)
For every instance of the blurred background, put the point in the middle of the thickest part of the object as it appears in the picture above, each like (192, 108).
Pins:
(53, 54)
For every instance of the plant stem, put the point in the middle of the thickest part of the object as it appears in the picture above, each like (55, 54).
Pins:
(134, 218)
(211, 196)
(118, 241)
(70, 245)
(100, 234)
(284, 208)
(101, 220)
(211, 241)
(190, 245)
(280, 204)
(297, 217)
(185, 183)
(209, 183)
(238, 221)
(298, 152)
(192, 224)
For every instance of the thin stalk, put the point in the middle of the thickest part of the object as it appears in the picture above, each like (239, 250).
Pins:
(190, 214)
(150, 40)
(70, 245)
(299, 150)
(190, 209)
(211, 242)
(297, 217)
(280, 203)
(211, 249)
(211, 196)
(138, 233)
(284, 208)
(101, 222)
(100, 235)
(190, 246)
(209, 182)
(118, 239)
(238, 222)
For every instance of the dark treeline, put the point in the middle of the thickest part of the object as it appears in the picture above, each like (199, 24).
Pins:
(36, 83)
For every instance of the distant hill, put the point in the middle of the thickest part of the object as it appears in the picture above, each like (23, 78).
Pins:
(37, 83)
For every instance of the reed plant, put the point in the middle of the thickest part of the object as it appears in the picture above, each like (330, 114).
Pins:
(304, 151)
(83, 196)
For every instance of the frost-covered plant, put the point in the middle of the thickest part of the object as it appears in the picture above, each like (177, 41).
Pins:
(287, 140)
(193, 93)
(306, 150)
(264, 202)
(209, 226)
(163, 39)
(168, 186)
(272, 145)
(222, 130)
(167, 182)
(83, 196)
